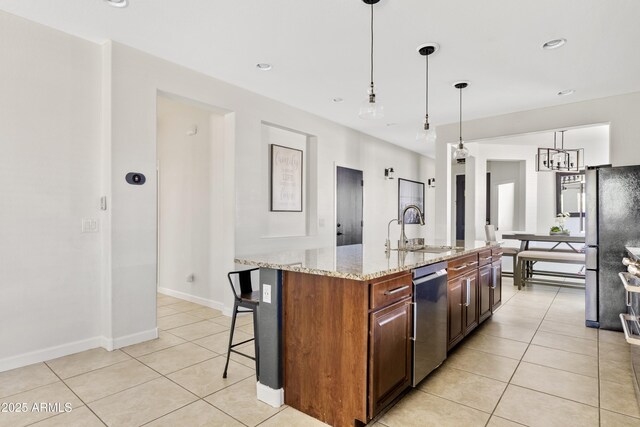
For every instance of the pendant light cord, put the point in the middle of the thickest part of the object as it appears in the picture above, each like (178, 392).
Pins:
(371, 45)
(460, 115)
(426, 103)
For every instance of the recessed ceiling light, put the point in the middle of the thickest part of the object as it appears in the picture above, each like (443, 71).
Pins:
(566, 92)
(554, 44)
(392, 124)
(118, 3)
(263, 66)
(338, 100)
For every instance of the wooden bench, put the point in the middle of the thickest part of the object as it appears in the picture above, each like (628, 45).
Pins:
(526, 259)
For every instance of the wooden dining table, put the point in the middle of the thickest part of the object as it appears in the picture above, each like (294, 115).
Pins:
(558, 239)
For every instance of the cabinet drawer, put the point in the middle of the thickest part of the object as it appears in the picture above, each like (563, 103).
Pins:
(389, 291)
(484, 257)
(496, 252)
(462, 265)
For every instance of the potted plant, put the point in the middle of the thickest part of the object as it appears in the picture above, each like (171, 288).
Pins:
(560, 220)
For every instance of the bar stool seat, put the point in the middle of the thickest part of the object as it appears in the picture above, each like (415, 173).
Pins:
(248, 300)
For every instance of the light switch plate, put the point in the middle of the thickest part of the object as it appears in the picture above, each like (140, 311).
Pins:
(266, 293)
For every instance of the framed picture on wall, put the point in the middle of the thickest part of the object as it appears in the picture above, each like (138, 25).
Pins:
(410, 193)
(286, 179)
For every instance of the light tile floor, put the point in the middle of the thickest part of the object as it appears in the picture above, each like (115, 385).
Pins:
(533, 363)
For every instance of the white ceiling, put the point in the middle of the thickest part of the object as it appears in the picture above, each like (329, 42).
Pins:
(319, 50)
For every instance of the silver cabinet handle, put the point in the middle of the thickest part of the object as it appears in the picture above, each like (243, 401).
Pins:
(494, 277)
(468, 293)
(472, 263)
(460, 268)
(396, 290)
(488, 257)
(498, 254)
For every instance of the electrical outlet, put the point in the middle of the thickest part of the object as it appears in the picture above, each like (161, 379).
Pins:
(266, 293)
(90, 225)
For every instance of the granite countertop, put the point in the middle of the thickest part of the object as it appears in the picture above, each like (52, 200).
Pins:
(356, 262)
(633, 253)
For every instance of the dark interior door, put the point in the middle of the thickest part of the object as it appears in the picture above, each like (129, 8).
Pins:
(460, 184)
(349, 209)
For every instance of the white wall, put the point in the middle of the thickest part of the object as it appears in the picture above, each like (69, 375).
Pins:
(76, 117)
(428, 171)
(286, 224)
(50, 273)
(136, 79)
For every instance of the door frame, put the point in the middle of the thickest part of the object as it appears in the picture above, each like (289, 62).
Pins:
(334, 223)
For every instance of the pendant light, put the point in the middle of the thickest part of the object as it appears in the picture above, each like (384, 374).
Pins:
(427, 134)
(370, 109)
(461, 152)
(560, 159)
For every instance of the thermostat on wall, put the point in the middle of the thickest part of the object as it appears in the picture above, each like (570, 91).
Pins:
(135, 178)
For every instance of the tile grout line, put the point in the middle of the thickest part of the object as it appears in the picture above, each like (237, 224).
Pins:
(519, 362)
(75, 394)
(198, 397)
(453, 401)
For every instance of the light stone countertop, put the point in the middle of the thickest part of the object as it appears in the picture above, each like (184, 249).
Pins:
(356, 262)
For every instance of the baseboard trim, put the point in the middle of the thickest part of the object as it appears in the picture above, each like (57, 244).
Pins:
(49, 353)
(115, 343)
(192, 298)
(270, 396)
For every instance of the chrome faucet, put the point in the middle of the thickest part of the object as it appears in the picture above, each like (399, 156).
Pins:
(402, 243)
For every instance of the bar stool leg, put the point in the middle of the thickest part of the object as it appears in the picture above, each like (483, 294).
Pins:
(256, 344)
(518, 274)
(233, 328)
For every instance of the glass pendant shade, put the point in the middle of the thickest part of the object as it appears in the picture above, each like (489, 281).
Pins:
(461, 152)
(426, 135)
(370, 109)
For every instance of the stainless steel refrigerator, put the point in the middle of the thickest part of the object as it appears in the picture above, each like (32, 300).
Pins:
(612, 222)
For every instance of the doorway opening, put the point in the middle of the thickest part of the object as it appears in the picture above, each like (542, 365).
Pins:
(190, 170)
(349, 206)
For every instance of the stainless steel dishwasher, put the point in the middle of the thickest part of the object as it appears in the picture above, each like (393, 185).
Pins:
(429, 340)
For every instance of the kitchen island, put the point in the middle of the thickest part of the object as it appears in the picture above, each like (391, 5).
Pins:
(335, 329)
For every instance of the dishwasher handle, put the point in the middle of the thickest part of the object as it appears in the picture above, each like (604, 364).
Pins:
(430, 277)
(415, 316)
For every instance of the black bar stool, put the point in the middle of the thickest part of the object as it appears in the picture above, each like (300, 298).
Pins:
(248, 299)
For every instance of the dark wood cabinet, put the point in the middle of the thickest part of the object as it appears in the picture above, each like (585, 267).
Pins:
(485, 285)
(496, 284)
(471, 320)
(456, 298)
(462, 292)
(390, 354)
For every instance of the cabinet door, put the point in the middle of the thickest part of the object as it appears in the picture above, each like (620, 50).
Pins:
(470, 286)
(484, 297)
(390, 354)
(455, 296)
(496, 297)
